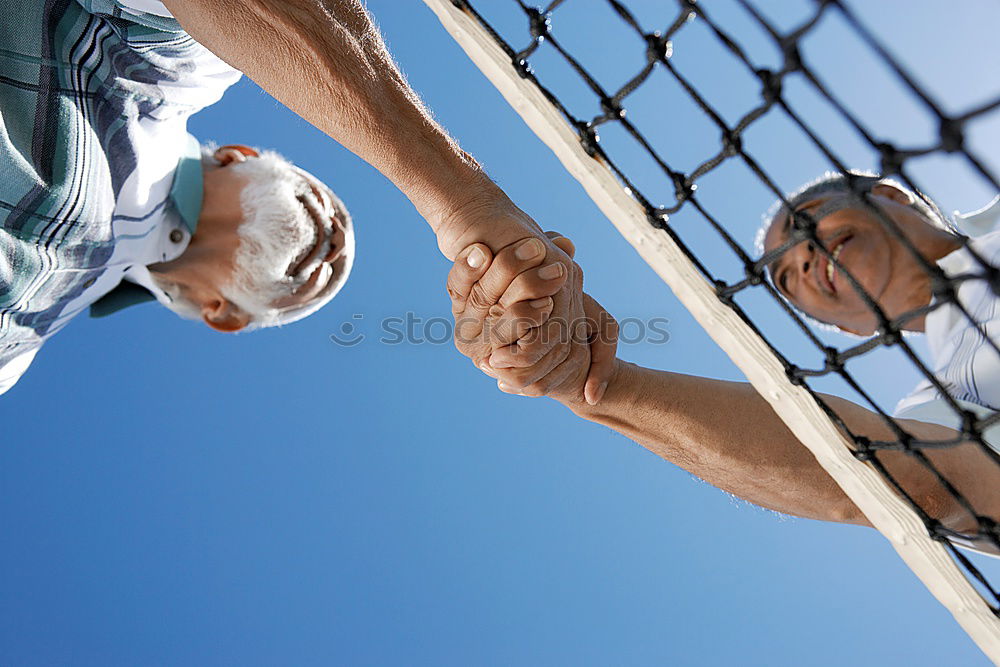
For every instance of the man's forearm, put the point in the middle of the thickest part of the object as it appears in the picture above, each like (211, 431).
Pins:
(326, 61)
(725, 433)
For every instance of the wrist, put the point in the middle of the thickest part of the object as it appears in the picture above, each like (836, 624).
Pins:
(620, 386)
(480, 214)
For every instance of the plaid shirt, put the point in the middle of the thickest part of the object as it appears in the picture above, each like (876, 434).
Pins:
(94, 102)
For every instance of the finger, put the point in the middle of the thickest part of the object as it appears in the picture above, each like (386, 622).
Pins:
(569, 374)
(518, 374)
(484, 366)
(508, 325)
(507, 264)
(535, 284)
(469, 267)
(563, 243)
(530, 348)
(507, 389)
(603, 350)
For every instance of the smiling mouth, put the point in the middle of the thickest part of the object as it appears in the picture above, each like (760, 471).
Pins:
(830, 271)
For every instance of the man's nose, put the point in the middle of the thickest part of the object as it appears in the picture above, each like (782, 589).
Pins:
(804, 257)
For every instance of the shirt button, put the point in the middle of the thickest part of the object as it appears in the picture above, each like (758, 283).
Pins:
(89, 282)
(176, 235)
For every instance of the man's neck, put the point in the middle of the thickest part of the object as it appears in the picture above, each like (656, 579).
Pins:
(934, 246)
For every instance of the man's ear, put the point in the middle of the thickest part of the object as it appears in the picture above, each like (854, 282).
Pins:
(893, 193)
(234, 153)
(225, 316)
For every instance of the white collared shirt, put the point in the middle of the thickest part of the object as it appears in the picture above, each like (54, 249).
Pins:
(964, 361)
(91, 205)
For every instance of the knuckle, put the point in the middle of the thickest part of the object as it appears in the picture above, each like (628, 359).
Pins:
(521, 377)
(463, 346)
(455, 296)
(508, 263)
(467, 331)
(479, 299)
(533, 390)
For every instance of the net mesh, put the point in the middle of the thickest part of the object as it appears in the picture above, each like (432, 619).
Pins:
(542, 39)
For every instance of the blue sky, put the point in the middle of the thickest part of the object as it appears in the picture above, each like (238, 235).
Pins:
(171, 496)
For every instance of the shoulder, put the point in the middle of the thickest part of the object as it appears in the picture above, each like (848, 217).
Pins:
(151, 14)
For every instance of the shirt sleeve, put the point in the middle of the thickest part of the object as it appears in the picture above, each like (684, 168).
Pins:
(154, 7)
(12, 371)
(149, 13)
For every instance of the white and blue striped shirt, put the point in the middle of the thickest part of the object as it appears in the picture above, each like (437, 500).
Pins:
(94, 101)
(964, 361)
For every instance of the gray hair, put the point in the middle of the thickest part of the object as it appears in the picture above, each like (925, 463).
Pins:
(838, 183)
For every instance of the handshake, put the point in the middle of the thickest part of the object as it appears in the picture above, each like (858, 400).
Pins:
(522, 317)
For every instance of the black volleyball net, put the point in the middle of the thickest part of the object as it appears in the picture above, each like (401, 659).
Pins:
(683, 108)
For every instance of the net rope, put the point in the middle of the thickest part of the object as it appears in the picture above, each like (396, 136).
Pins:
(893, 159)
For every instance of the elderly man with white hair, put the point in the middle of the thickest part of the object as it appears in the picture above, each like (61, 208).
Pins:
(105, 200)
(724, 432)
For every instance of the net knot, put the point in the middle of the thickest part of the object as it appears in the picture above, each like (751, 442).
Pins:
(891, 158)
(792, 55)
(952, 137)
(657, 217)
(723, 292)
(683, 188)
(658, 48)
(588, 137)
(987, 526)
(732, 143)
(941, 287)
(794, 375)
(833, 360)
(864, 455)
(539, 24)
(992, 275)
(888, 335)
(770, 85)
(969, 429)
(612, 109)
(936, 530)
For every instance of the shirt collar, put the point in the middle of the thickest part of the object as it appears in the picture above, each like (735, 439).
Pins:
(187, 192)
(977, 223)
(186, 195)
(983, 221)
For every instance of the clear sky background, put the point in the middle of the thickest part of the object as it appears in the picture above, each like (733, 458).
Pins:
(172, 496)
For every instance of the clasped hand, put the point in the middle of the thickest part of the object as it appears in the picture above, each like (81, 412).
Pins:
(503, 306)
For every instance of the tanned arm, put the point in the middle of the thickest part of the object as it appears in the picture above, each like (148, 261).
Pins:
(326, 61)
(721, 431)
(726, 434)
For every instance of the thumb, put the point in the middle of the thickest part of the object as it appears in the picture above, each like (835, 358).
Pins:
(603, 331)
(563, 243)
(470, 265)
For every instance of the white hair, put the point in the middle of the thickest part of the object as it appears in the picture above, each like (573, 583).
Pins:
(833, 183)
(275, 231)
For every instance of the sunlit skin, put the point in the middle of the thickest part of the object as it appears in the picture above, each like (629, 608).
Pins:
(886, 269)
(208, 261)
